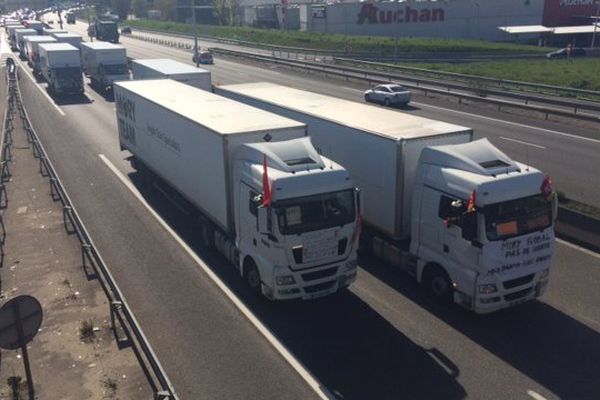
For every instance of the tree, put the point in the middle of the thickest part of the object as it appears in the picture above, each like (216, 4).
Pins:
(121, 8)
(226, 11)
(140, 7)
(167, 8)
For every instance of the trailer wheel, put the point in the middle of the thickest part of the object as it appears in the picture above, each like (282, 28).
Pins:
(252, 277)
(438, 282)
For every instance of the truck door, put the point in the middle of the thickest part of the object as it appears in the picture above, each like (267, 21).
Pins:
(248, 206)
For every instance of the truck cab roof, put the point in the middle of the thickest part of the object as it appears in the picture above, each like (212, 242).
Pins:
(100, 45)
(482, 167)
(168, 66)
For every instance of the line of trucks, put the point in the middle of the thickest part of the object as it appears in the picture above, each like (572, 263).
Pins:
(289, 185)
(61, 58)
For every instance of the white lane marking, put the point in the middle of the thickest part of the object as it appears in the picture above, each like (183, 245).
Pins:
(25, 69)
(535, 395)
(569, 135)
(319, 389)
(576, 247)
(522, 142)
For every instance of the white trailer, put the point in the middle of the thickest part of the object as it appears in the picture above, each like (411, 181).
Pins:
(105, 63)
(285, 216)
(60, 64)
(31, 45)
(52, 31)
(72, 38)
(167, 68)
(433, 200)
(37, 25)
(20, 35)
(11, 35)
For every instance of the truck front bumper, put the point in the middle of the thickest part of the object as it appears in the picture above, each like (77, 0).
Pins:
(312, 283)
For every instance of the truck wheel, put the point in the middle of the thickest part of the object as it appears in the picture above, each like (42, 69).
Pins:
(439, 284)
(252, 277)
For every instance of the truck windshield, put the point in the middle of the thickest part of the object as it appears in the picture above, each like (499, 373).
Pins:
(311, 213)
(69, 72)
(517, 217)
(115, 69)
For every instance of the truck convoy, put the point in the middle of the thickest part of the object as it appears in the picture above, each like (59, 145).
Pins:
(72, 38)
(20, 35)
(167, 68)
(60, 65)
(284, 215)
(104, 29)
(32, 43)
(104, 63)
(460, 216)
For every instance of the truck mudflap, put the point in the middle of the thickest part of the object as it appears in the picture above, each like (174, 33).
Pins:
(311, 284)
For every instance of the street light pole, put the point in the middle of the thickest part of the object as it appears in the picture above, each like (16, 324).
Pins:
(196, 55)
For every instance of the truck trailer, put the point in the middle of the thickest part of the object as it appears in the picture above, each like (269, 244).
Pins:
(72, 38)
(60, 64)
(105, 63)
(20, 35)
(262, 196)
(12, 40)
(32, 44)
(167, 68)
(460, 216)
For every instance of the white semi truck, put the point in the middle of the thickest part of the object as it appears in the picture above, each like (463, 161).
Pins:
(32, 48)
(459, 215)
(284, 215)
(20, 35)
(72, 38)
(60, 64)
(167, 68)
(12, 40)
(105, 63)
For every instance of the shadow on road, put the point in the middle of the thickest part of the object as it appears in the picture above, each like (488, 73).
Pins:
(549, 346)
(347, 345)
(66, 100)
(107, 94)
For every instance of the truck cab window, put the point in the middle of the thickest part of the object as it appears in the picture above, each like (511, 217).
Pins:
(446, 210)
(254, 200)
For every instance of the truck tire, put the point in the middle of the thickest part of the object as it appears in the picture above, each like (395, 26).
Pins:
(252, 277)
(438, 283)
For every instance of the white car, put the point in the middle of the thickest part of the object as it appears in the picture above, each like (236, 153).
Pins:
(388, 94)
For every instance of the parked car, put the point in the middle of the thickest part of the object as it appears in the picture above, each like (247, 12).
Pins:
(203, 57)
(564, 53)
(389, 94)
(126, 29)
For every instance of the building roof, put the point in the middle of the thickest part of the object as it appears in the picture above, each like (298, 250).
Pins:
(523, 29)
(569, 30)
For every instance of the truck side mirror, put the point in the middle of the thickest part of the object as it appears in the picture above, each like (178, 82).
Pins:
(468, 223)
(263, 220)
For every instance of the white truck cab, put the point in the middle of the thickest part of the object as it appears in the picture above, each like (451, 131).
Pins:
(303, 242)
(482, 226)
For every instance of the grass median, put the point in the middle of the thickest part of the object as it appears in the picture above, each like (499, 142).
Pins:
(329, 41)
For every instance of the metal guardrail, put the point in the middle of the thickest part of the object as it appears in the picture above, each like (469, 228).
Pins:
(119, 310)
(377, 78)
(500, 83)
(422, 84)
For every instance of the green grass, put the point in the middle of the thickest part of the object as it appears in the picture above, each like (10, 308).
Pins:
(322, 41)
(578, 73)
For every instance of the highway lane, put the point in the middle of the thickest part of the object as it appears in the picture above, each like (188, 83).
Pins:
(567, 152)
(384, 339)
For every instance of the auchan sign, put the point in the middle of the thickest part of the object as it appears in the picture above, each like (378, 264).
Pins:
(371, 14)
(568, 12)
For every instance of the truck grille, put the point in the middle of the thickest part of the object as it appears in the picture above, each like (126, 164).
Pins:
(517, 295)
(311, 276)
(518, 281)
(319, 287)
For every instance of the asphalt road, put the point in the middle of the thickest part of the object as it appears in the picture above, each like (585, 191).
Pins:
(385, 339)
(568, 152)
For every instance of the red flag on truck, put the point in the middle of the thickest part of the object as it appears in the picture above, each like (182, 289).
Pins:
(265, 183)
(472, 201)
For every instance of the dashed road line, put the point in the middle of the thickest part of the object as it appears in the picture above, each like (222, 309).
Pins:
(522, 142)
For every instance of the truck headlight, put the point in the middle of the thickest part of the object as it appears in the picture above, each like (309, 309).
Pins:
(488, 288)
(285, 280)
